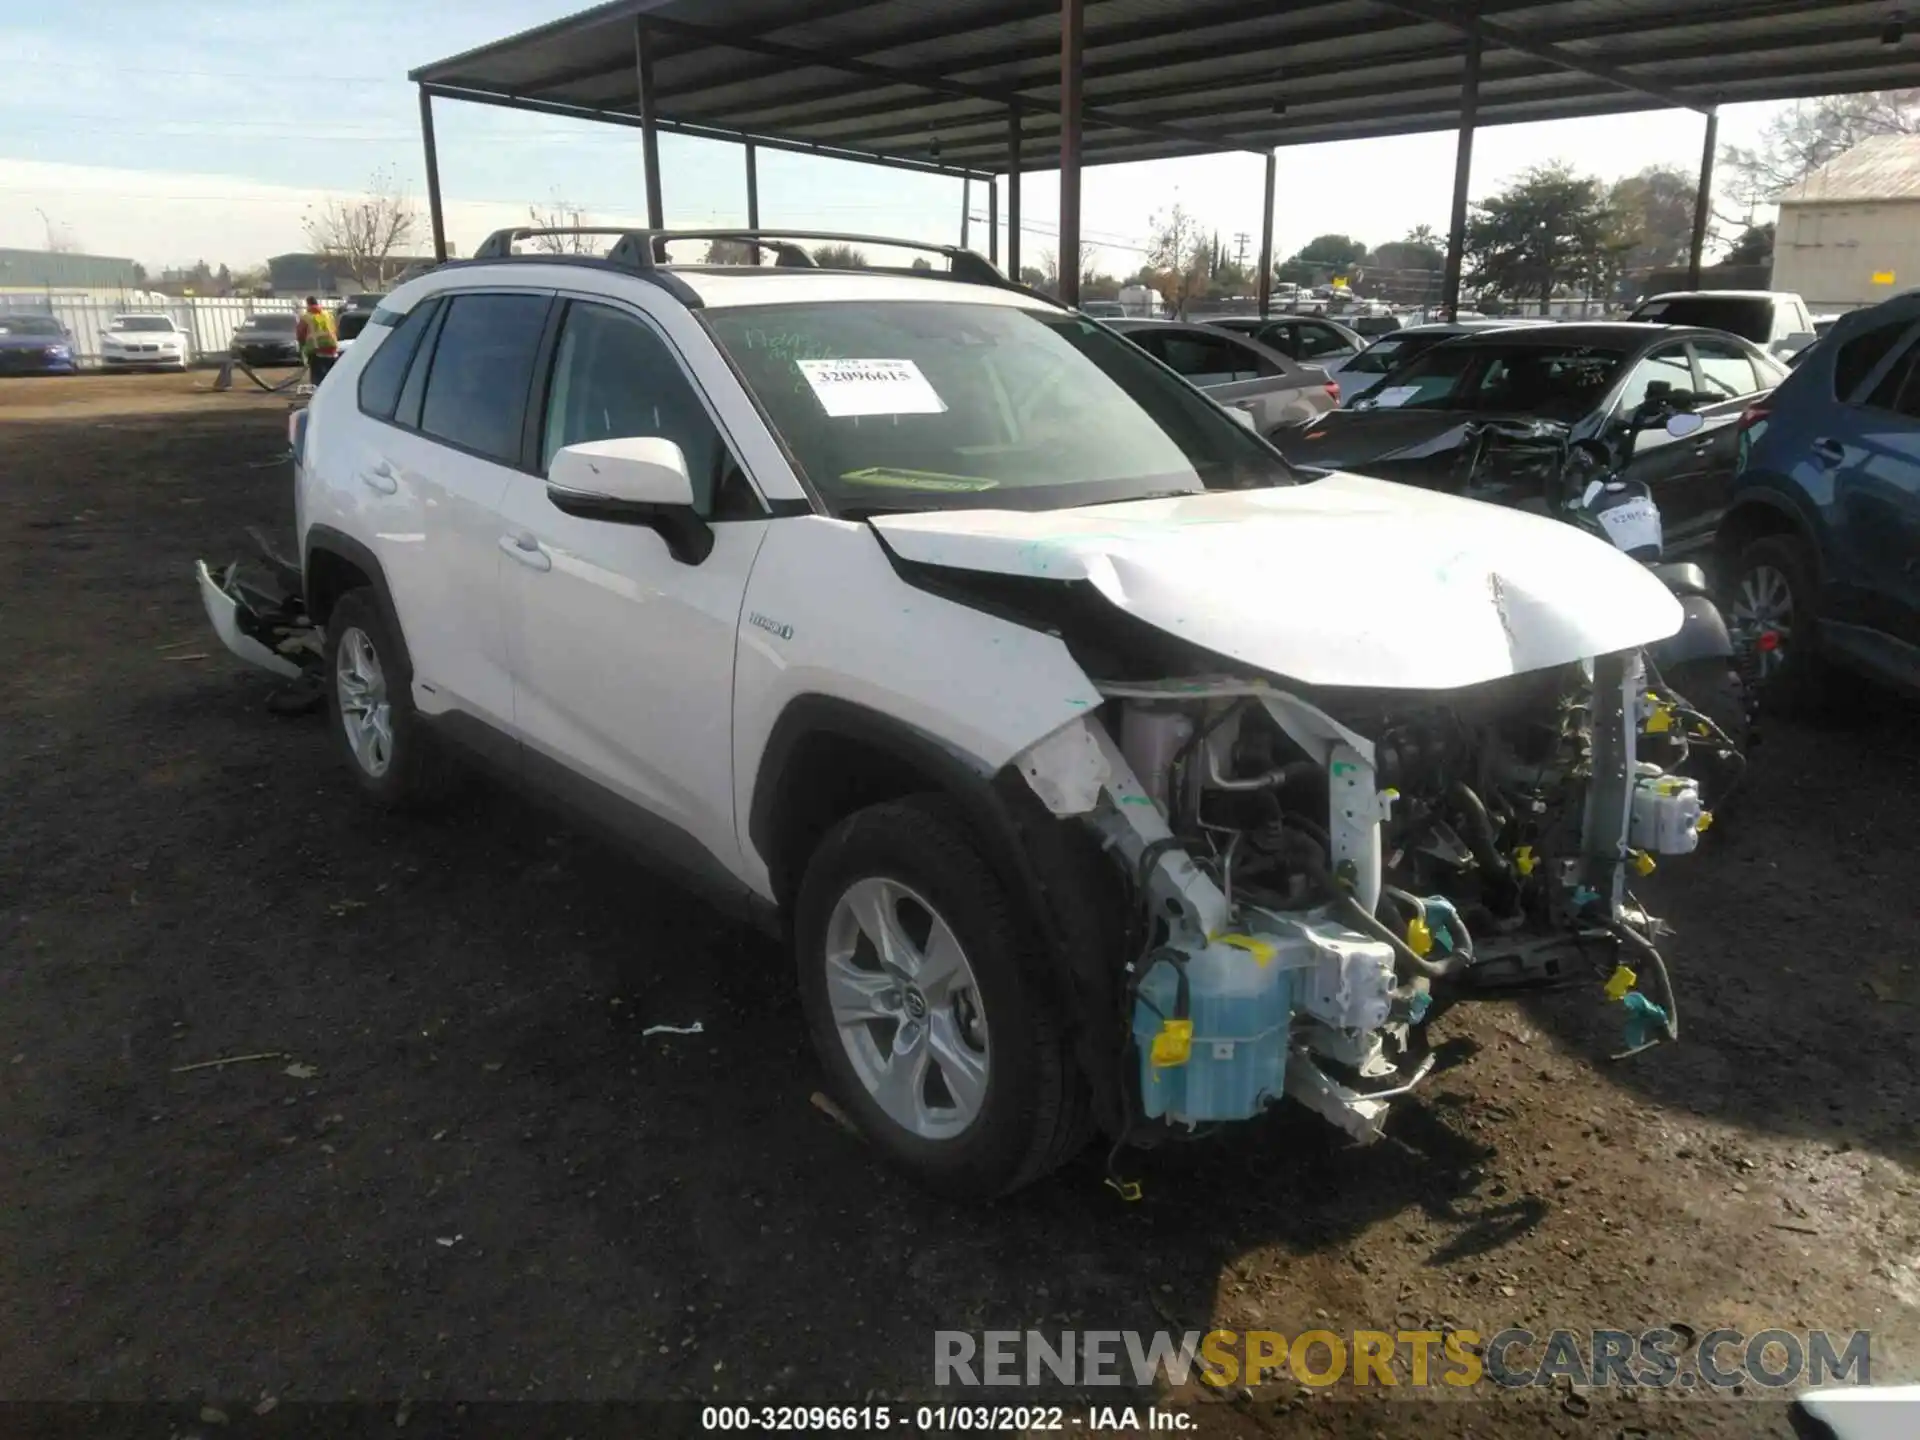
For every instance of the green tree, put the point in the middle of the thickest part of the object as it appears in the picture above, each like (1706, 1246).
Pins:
(1409, 271)
(840, 257)
(1322, 258)
(1652, 219)
(1753, 247)
(1549, 230)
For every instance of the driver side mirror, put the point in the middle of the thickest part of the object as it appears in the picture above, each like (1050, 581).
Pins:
(633, 480)
(1683, 423)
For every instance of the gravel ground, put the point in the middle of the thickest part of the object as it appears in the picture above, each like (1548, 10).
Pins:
(471, 1177)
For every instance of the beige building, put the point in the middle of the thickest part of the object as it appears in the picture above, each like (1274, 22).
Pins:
(1849, 233)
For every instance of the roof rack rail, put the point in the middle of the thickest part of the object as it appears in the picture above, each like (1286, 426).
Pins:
(647, 249)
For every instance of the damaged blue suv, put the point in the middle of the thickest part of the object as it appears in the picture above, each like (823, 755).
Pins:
(1820, 547)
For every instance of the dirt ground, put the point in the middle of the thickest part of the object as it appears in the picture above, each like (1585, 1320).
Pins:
(473, 1178)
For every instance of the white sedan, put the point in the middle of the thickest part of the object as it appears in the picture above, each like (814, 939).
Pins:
(150, 342)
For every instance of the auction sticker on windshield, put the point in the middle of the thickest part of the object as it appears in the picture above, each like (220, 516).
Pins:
(871, 387)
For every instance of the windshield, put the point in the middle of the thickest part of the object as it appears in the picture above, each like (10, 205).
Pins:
(269, 322)
(1560, 382)
(29, 325)
(1381, 356)
(1741, 315)
(919, 405)
(143, 322)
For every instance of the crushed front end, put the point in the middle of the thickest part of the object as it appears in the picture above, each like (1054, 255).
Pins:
(1315, 876)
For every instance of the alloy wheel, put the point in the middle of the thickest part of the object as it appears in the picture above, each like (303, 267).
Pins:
(907, 1008)
(1763, 617)
(365, 713)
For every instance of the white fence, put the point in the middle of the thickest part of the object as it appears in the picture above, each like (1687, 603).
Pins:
(209, 321)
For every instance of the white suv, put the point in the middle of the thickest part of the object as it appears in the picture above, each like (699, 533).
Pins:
(1102, 770)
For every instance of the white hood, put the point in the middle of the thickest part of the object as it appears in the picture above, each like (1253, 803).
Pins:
(1346, 581)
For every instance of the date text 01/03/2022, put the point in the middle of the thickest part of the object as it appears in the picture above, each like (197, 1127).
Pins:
(936, 1419)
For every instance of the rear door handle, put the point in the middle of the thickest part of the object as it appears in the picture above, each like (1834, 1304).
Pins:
(527, 550)
(1829, 450)
(380, 478)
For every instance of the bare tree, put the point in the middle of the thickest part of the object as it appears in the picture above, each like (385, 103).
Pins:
(1178, 254)
(60, 238)
(1802, 139)
(366, 237)
(561, 215)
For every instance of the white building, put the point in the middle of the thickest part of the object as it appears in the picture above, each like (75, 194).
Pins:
(1849, 233)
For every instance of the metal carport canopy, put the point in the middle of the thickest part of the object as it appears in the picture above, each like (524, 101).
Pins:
(976, 87)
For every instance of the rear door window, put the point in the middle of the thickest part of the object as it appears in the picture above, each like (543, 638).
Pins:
(1312, 340)
(1857, 359)
(476, 394)
(1725, 370)
(1899, 389)
(1210, 359)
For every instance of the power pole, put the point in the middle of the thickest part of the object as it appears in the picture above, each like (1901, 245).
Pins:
(1240, 242)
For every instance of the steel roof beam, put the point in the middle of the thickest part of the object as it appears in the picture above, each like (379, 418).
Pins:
(1505, 35)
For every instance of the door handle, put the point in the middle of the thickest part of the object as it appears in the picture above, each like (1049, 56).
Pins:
(1829, 450)
(380, 478)
(527, 550)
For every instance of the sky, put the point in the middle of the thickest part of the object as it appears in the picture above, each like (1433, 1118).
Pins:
(210, 139)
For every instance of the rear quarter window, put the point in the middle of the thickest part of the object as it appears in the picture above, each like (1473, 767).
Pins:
(386, 372)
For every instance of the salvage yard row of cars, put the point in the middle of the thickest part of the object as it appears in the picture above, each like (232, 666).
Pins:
(34, 343)
(1206, 779)
(1218, 767)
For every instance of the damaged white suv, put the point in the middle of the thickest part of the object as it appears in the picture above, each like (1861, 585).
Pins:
(1104, 771)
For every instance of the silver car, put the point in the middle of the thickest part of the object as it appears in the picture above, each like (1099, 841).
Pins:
(1238, 372)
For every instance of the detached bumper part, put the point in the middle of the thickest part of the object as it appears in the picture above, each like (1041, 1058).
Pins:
(269, 634)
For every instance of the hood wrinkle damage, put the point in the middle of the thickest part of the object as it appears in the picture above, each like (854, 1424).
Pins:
(1345, 582)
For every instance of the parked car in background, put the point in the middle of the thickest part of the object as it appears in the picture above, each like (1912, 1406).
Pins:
(1358, 374)
(1240, 373)
(34, 345)
(353, 315)
(1103, 309)
(266, 338)
(1596, 378)
(1766, 317)
(149, 342)
(1311, 338)
(1369, 327)
(1820, 548)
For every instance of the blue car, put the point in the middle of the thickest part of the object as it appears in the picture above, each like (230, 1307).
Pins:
(34, 345)
(1820, 547)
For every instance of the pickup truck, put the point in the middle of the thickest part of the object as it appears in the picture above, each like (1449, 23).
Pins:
(1775, 320)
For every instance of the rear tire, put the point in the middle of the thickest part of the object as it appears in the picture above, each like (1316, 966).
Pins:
(1771, 610)
(369, 685)
(990, 1099)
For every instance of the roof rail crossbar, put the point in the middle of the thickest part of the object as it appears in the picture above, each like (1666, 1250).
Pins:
(646, 249)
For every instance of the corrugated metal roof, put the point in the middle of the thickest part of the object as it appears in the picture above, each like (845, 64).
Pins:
(1883, 167)
(931, 82)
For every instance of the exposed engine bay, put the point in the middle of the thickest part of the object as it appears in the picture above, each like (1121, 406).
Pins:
(1316, 881)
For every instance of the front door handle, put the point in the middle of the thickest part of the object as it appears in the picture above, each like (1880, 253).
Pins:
(527, 550)
(1829, 450)
(380, 478)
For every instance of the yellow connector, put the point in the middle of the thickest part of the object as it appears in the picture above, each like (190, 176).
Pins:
(1419, 937)
(1174, 1044)
(1704, 823)
(1643, 863)
(1523, 860)
(1620, 982)
(1660, 721)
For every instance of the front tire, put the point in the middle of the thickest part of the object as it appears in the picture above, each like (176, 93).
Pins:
(917, 977)
(396, 763)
